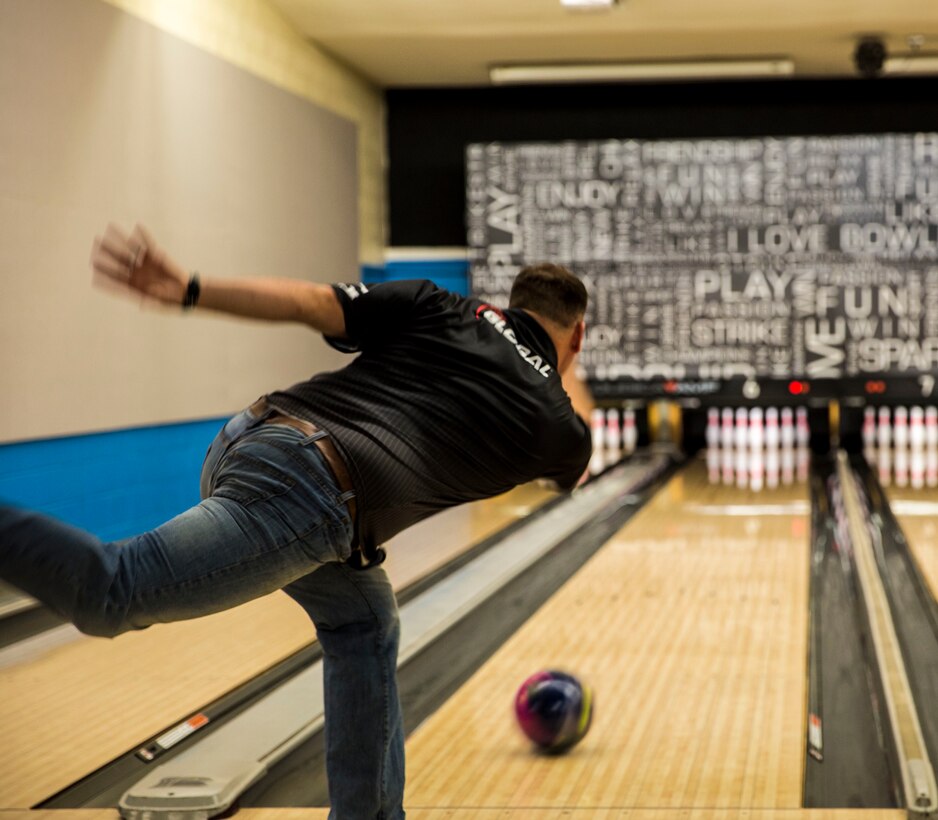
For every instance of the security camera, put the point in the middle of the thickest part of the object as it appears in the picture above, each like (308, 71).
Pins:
(869, 56)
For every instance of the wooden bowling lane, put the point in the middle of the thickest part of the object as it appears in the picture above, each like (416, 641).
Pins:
(651, 814)
(691, 625)
(515, 814)
(917, 514)
(69, 704)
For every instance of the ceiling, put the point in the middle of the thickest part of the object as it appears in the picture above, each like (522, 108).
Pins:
(453, 42)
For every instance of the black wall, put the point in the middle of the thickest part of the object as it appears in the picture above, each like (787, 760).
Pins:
(428, 129)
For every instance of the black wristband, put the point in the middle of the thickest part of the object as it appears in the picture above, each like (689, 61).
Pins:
(191, 298)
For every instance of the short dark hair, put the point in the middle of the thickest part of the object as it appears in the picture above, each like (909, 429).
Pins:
(551, 291)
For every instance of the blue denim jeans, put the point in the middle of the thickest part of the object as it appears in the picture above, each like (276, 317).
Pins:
(272, 517)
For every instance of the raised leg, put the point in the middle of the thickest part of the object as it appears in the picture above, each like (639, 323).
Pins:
(273, 518)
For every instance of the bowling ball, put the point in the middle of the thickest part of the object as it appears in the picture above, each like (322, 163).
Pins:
(554, 710)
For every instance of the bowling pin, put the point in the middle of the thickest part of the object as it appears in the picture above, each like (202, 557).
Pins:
(713, 445)
(884, 430)
(917, 447)
(869, 433)
(788, 428)
(788, 465)
(931, 446)
(597, 428)
(756, 453)
(756, 431)
(900, 434)
(802, 439)
(741, 435)
(613, 436)
(802, 431)
(772, 439)
(629, 431)
(772, 433)
(884, 454)
(787, 437)
(713, 428)
(726, 442)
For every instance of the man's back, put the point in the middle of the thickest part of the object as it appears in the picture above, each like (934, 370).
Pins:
(450, 400)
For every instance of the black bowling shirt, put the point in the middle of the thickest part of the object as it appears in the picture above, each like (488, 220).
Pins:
(449, 400)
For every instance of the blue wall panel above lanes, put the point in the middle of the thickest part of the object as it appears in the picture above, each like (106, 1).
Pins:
(114, 484)
(451, 273)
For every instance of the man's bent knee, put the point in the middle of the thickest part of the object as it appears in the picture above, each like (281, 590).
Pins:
(103, 619)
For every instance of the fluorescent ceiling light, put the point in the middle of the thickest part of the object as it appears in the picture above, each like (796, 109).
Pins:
(588, 4)
(915, 64)
(613, 72)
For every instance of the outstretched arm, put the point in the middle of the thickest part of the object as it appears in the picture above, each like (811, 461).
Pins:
(135, 264)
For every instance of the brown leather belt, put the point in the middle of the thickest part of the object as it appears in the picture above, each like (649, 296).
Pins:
(324, 444)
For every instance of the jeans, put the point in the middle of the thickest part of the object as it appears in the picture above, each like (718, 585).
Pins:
(272, 517)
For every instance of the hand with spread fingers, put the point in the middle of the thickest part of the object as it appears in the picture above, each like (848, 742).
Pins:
(136, 264)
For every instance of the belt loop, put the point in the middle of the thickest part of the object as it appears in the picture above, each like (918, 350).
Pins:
(358, 559)
(319, 434)
(261, 409)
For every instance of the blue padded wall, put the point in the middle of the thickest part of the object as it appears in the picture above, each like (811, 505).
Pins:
(113, 484)
(452, 274)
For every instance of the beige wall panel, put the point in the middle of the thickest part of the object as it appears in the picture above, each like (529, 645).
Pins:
(254, 35)
(107, 117)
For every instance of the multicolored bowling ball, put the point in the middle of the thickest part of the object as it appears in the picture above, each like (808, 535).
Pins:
(554, 710)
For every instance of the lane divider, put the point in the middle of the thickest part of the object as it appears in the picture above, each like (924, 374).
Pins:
(918, 776)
